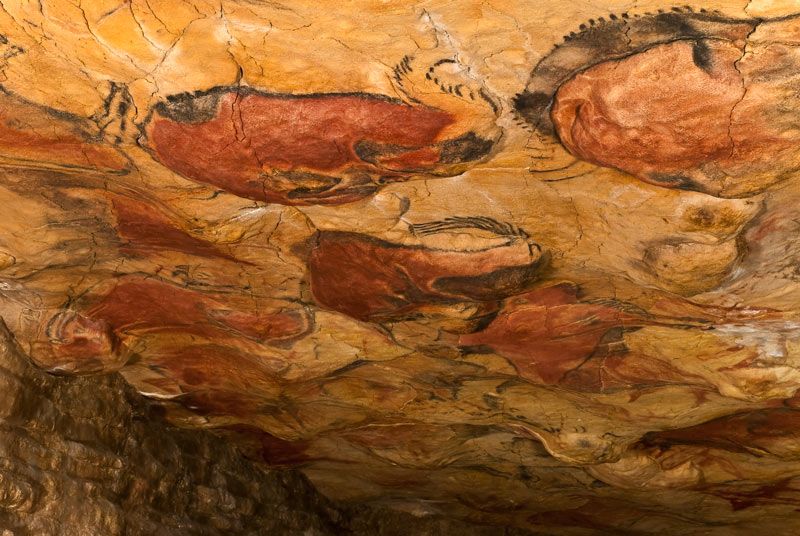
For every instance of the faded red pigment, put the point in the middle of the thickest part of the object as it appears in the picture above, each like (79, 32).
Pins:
(146, 305)
(547, 333)
(50, 143)
(147, 230)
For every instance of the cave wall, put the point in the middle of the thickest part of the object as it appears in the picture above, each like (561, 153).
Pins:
(527, 264)
(89, 456)
(83, 456)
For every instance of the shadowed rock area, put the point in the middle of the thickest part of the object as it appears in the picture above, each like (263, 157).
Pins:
(88, 455)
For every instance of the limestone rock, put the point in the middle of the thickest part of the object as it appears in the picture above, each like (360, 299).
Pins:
(522, 264)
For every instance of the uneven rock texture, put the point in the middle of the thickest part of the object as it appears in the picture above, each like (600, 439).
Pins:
(526, 264)
(87, 455)
(80, 456)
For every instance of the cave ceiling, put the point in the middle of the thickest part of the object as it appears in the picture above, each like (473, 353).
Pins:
(522, 263)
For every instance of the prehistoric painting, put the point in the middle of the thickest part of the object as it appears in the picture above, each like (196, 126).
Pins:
(526, 264)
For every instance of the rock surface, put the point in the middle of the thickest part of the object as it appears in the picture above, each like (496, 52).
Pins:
(526, 264)
(88, 455)
(80, 456)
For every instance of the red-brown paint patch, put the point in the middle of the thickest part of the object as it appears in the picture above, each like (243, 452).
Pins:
(374, 280)
(146, 231)
(783, 492)
(30, 136)
(148, 305)
(548, 332)
(280, 452)
(612, 367)
(214, 367)
(78, 344)
(606, 514)
(759, 431)
(311, 149)
(137, 306)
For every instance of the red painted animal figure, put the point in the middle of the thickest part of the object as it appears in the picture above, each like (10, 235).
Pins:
(376, 280)
(548, 333)
(101, 330)
(305, 149)
(682, 99)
